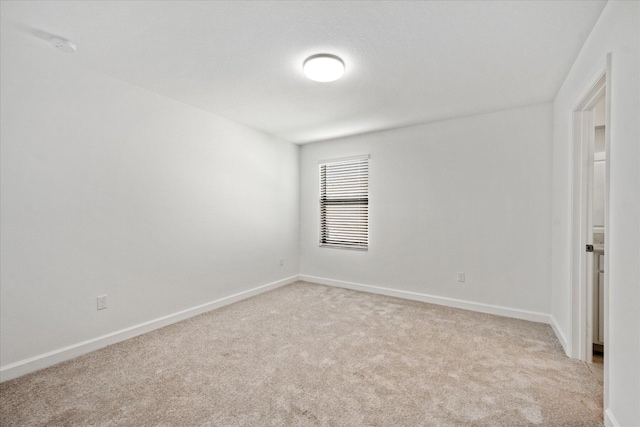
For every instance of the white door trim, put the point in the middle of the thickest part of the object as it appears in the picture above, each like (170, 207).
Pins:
(580, 342)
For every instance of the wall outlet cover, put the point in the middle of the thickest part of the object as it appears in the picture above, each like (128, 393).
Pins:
(102, 302)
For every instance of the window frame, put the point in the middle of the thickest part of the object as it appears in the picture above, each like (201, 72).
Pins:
(360, 240)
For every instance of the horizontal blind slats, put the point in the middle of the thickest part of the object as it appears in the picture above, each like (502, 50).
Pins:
(344, 203)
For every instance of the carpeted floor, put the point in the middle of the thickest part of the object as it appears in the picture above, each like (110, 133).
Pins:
(306, 355)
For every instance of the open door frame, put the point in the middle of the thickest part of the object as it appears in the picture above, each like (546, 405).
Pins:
(582, 265)
(581, 342)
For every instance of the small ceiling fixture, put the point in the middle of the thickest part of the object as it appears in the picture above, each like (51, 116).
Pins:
(63, 45)
(323, 67)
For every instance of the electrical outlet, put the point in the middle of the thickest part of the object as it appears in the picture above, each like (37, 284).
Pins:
(281, 262)
(102, 302)
(460, 276)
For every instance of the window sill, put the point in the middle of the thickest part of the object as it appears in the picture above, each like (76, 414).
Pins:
(353, 248)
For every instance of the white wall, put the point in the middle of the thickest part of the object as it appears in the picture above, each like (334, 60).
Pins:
(617, 32)
(111, 189)
(471, 194)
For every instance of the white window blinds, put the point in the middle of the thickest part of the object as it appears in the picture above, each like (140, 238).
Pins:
(344, 203)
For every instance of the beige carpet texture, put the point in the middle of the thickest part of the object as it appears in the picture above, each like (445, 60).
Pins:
(313, 355)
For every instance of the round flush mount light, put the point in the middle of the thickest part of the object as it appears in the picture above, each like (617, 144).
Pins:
(323, 67)
(63, 45)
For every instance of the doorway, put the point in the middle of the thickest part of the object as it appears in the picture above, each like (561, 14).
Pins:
(598, 195)
(590, 257)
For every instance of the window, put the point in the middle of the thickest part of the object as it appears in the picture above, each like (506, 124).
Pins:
(344, 203)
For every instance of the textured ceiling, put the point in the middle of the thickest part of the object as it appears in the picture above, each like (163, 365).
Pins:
(406, 62)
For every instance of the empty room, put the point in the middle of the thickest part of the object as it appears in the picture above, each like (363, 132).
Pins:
(320, 213)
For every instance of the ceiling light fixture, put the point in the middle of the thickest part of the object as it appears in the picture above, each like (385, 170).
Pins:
(323, 67)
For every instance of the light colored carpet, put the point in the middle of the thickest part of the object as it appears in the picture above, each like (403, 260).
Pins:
(308, 355)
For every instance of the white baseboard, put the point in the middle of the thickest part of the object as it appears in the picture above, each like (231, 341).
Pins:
(51, 358)
(449, 302)
(610, 420)
(559, 334)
